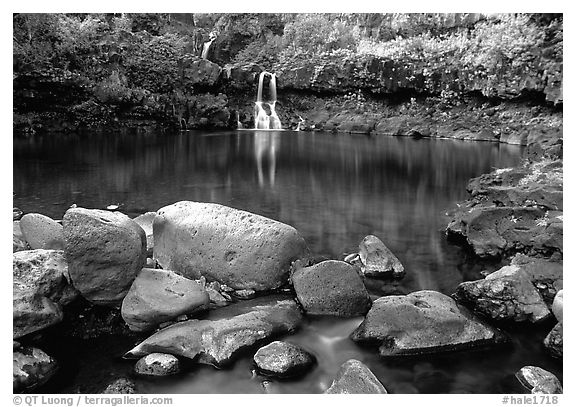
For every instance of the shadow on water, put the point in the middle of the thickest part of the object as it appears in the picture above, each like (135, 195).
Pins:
(334, 189)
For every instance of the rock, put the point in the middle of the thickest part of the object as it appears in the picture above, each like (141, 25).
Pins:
(505, 295)
(157, 364)
(354, 377)
(224, 333)
(32, 313)
(31, 368)
(43, 272)
(105, 251)
(233, 247)
(377, 260)
(18, 241)
(423, 322)
(242, 75)
(198, 73)
(145, 221)
(42, 232)
(558, 305)
(539, 381)
(554, 341)
(216, 298)
(158, 296)
(331, 287)
(283, 359)
(120, 386)
(244, 294)
(17, 214)
(545, 274)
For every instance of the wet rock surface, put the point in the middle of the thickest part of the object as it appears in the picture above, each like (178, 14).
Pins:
(158, 296)
(42, 232)
(157, 364)
(539, 381)
(233, 247)
(377, 260)
(120, 386)
(505, 295)
(105, 251)
(31, 368)
(283, 359)
(558, 305)
(18, 240)
(545, 273)
(554, 341)
(33, 312)
(354, 377)
(423, 322)
(331, 288)
(222, 334)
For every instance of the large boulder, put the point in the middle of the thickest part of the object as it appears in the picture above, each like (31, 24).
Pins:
(32, 312)
(377, 260)
(554, 341)
(18, 240)
(331, 288)
(42, 232)
(197, 73)
(43, 272)
(158, 296)
(283, 359)
(146, 221)
(539, 381)
(234, 247)
(31, 368)
(242, 75)
(558, 305)
(505, 295)
(354, 377)
(224, 333)
(423, 322)
(105, 251)
(157, 364)
(120, 386)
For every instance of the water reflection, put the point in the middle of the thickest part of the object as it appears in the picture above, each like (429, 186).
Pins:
(266, 145)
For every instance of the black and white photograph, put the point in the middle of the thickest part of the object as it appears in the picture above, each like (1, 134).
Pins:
(252, 203)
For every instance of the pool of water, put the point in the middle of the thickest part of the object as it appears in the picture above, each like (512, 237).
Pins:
(335, 189)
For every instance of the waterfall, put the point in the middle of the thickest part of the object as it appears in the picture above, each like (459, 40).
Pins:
(261, 119)
(205, 48)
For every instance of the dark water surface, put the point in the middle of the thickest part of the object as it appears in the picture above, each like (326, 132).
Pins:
(335, 189)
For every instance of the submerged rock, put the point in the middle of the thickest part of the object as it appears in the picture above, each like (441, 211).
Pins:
(377, 260)
(43, 272)
(31, 368)
(225, 332)
(236, 248)
(42, 232)
(331, 288)
(32, 312)
(554, 341)
(354, 377)
(539, 381)
(105, 251)
(283, 359)
(506, 294)
(120, 386)
(423, 322)
(157, 364)
(145, 221)
(158, 296)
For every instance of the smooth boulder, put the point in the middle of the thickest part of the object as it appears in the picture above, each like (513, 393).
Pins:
(354, 377)
(31, 368)
(558, 306)
(145, 221)
(331, 287)
(157, 364)
(32, 312)
(158, 296)
(377, 260)
(105, 251)
(554, 341)
(423, 322)
(283, 359)
(224, 333)
(505, 295)
(538, 380)
(234, 247)
(42, 232)
(43, 272)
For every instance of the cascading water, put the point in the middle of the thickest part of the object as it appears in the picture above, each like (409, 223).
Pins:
(206, 46)
(261, 118)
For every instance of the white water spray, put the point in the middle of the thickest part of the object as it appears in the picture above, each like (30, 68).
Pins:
(261, 119)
